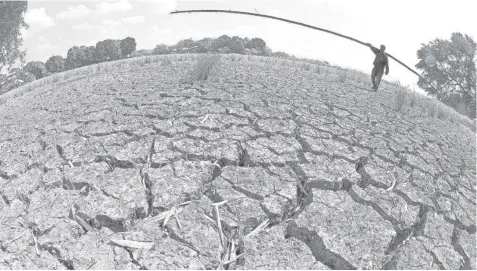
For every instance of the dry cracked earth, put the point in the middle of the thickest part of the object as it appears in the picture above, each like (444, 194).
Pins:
(132, 169)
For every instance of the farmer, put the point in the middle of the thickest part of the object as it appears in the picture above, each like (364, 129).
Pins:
(380, 61)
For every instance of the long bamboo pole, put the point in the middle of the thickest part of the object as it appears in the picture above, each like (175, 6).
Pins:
(300, 24)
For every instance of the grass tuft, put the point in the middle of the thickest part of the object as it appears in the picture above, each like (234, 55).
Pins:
(207, 65)
(400, 98)
(166, 62)
(343, 76)
(317, 69)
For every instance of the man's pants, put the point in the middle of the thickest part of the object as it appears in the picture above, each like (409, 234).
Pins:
(376, 75)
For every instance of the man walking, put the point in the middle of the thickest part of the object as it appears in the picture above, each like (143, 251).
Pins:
(380, 61)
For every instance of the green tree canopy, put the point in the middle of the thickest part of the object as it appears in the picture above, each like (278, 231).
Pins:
(450, 66)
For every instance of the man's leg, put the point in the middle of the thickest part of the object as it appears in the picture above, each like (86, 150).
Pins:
(373, 75)
(379, 75)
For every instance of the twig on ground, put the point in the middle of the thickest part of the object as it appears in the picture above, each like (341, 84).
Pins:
(219, 224)
(35, 240)
(234, 259)
(133, 244)
(178, 222)
(392, 185)
(205, 118)
(91, 265)
(259, 228)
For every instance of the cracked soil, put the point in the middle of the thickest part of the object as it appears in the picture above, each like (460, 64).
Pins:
(301, 170)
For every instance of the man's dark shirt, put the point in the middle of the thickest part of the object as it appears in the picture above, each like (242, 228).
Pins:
(381, 60)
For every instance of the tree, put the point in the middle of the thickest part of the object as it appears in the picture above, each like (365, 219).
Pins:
(27, 77)
(37, 68)
(221, 42)
(161, 49)
(128, 45)
(236, 45)
(108, 50)
(86, 55)
(280, 55)
(449, 65)
(204, 45)
(73, 58)
(185, 46)
(11, 21)
(55, 64)
(256, 43)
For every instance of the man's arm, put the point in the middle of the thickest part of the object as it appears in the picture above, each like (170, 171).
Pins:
(387, 65)
(374, 50)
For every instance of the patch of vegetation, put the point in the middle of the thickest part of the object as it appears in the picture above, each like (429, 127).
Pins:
(401, 96)
(429, 107)
(207, 65)
(343, 76)
(317, 69)
(166, 62)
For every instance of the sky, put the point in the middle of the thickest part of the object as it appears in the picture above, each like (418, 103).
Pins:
(402, 26)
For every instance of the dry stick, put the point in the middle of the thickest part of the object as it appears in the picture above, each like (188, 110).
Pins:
(36, 243)
(219, 224)
(300, 24)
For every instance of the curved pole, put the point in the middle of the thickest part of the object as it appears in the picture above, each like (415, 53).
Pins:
(300, 24)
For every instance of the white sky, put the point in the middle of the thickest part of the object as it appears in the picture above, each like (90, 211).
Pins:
(402, 26)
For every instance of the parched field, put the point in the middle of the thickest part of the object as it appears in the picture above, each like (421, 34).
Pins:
(133, 168)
